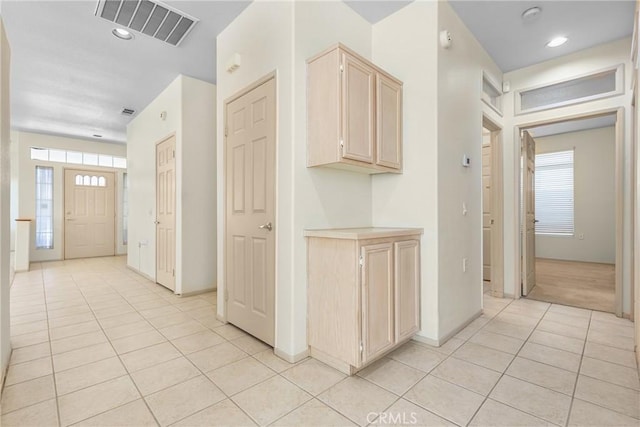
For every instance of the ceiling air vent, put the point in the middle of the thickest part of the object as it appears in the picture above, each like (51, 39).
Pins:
(128, 111)
(152, 18)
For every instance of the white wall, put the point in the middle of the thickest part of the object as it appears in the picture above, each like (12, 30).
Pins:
(143, 133)
(26, 184)
(460, 112)
(15, 180)
(190, 111)
(579, 63)
(594, 197)
(280, 36)
(198, 186)
(411, 199)
(5, 178)
(442, 121)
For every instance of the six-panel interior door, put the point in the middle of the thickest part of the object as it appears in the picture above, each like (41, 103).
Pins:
(377, 300)
(358, 86)
(166, 213)
(529, 246)
(487, 203)
(89, 204)
(250, 211)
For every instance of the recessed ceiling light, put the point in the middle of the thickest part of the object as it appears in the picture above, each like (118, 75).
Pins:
(122, 34)
(557, 41)
(531, 13)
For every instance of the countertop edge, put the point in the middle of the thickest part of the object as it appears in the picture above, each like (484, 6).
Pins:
(359, 234)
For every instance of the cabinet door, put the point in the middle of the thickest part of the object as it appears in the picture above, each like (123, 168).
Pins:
(377, 300)
(358, 87)
(407, 288)
(388, 122)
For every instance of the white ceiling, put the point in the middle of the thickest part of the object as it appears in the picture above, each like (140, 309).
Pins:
(71, 76)
(514, 43)
(573, 126)
(376, 10)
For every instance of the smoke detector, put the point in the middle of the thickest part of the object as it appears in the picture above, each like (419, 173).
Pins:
(531, 13)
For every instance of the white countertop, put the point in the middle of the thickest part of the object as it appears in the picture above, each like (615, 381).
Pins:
(362, 233)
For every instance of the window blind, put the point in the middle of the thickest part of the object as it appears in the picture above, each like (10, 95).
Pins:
(554, 193)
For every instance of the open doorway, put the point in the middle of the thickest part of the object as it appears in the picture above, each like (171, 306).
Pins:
(571, 212)
(492, 206)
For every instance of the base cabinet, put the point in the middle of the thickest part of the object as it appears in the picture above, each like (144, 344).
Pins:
(363, 293)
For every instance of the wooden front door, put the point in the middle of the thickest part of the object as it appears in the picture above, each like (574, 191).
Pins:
(89, 205)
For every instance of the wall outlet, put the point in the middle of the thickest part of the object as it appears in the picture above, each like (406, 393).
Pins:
(581, 236)
(465, 263)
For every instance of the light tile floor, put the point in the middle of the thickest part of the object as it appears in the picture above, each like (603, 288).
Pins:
(97, 345)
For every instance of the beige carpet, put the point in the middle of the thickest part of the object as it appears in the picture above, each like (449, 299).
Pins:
(579, 284)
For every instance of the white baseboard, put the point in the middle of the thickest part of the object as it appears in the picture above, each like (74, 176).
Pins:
(441, 341)
(135, 270)
(425, 340)
(202, 291)
(291, 358)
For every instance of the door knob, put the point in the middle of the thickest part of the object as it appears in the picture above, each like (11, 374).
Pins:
(266, 226)
(536, 220)
(156, 222)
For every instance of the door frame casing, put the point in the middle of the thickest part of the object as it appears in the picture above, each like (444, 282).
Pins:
(222, 189)
(619, 190)
(497, 208)
(115, 205)
(175, 208)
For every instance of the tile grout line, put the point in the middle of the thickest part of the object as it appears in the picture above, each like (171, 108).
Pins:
(507, 368)
(119, 359)
(575, 385)
(447, 357)
(183, 355)
(53, 373)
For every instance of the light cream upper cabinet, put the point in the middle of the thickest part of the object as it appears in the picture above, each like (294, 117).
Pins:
(388, 122)
(363, 293)
(358, 91)
(354, 114)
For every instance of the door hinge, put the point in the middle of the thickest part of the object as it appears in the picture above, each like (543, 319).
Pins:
(361, 260)
(226, 295)
(173, 154)
(361, 347)
(341, 68)
(173, 272)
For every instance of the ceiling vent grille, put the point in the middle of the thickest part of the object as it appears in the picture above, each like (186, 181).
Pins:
(152, 18)
(128, 111)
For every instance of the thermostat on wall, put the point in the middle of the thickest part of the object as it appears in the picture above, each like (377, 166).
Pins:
(466, 161)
